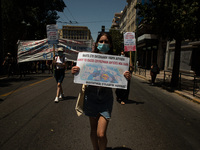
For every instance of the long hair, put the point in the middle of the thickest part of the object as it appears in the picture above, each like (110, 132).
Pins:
(109, 38)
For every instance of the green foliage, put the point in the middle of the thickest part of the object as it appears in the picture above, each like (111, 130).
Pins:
(35, 13)
(172, 19)
(117, 38)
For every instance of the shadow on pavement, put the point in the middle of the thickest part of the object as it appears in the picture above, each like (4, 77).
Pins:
(118, 148)
(70, 98)
(159, 84)
(9, 81)
(132, 102)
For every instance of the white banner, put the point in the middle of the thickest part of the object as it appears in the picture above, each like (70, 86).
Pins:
(41, 50)
(102, 70)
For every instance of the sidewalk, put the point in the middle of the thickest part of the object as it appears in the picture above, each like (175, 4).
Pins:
(186, 84)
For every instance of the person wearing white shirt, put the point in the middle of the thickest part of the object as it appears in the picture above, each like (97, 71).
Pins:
(60, 63)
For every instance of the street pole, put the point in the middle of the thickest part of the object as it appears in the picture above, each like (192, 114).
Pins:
(53, 59)
(136, 37)
(1, 37)
(131, 64)
(135, 61)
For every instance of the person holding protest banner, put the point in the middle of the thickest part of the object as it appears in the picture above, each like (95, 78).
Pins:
(60, 63)
(98, 100)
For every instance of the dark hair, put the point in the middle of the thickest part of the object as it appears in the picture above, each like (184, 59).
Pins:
(109, 38)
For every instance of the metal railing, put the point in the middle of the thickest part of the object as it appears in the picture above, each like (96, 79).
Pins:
(141, 71)
(187, 81)
(196, 85)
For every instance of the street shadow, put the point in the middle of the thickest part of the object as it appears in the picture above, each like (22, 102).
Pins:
(148, 83)
(160, 85)
(118, 148)
(69, 98)
(131, 102)
(9, 81)
(1, 101)
(4, 84)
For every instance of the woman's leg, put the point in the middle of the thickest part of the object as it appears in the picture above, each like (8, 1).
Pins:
(98, 132)
(93, 132)
(101, 132)
(61, 90)
(62, 75)
(58, 89)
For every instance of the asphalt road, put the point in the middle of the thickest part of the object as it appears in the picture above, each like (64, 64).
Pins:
(152, 119)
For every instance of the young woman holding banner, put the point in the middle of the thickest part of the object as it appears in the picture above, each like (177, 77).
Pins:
(99, 100)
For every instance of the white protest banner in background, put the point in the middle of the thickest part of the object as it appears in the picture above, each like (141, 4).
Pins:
(102, 70)
(52, 34)
(41, 50)
(129, 41)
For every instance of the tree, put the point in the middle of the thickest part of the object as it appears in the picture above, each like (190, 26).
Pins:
(35, 13)
(174, 20)
(1, 37)
(117, 38)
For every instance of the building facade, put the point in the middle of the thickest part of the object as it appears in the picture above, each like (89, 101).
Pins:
(131, 16)
(127, 20)
(149, 48)
(115, 21)
(189, 59)
(153, 49)
(75, 32)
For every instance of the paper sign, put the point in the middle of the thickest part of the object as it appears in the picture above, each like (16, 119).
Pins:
(52, 34)
(102, 70)
(129, 41)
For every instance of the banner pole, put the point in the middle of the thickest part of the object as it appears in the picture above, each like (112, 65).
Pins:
(135, 61)
(53, 59)
(131, 64)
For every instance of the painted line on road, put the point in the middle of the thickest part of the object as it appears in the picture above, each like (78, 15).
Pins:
(6, 94)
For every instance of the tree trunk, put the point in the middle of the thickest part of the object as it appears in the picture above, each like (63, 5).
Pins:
(2, 53)
(1, 39)
(176, 65)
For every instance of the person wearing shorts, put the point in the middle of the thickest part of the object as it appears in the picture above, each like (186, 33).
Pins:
(98, 101)
(60, 63)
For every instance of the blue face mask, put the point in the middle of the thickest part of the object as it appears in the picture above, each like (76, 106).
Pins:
(103, 48)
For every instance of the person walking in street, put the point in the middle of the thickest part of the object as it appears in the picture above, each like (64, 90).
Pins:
(98, 101)
(8, 64)
(49, 65)
(153, 72)
(60, 63)
(122, 94)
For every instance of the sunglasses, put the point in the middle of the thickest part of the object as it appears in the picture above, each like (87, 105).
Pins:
(105, 41)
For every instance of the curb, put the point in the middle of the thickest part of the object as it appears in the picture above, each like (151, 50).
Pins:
(189, 97)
